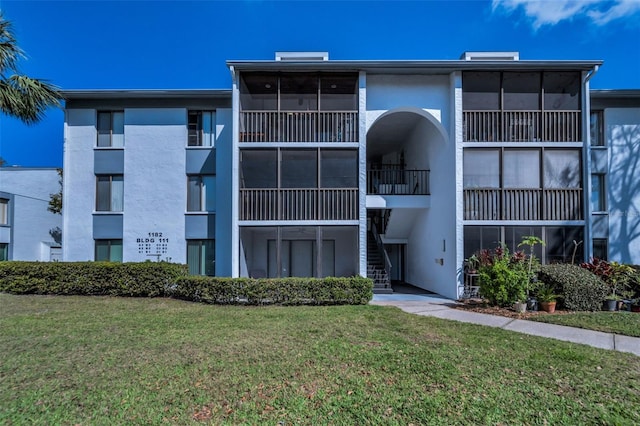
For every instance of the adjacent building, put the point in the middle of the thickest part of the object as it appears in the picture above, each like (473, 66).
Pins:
(398, 170)
(28, 230)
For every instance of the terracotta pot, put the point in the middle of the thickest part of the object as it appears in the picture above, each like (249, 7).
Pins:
(548, 306)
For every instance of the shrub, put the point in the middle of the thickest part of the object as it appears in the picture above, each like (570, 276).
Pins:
(147, 279)
(275, 291)
(160, 279)
(617, 276)
(503, 279)
(582, 290)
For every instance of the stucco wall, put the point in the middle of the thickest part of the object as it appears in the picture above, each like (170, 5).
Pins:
(224, 176)
(30, 222)
(155, 195)
(622, 133)
(431, 250)
(431, 255)
(79, 184)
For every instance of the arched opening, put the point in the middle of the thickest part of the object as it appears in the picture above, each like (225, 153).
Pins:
(412, 216)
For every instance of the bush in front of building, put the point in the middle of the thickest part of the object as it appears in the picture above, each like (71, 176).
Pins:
(503, 278)
(581, 289)
(275, 291)
(146, 279)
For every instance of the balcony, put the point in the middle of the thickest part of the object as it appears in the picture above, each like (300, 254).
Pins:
(523, 204)
(398, 182)
(298, 126)
(521, 126)
(299, 204)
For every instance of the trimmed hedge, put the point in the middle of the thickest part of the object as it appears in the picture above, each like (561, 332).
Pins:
(146, 279)
(161, 279)
(581, 289)
(275, 291)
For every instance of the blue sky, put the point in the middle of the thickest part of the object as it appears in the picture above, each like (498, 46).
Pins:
(183, 45)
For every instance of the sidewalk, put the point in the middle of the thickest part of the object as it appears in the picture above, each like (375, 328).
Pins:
(440, 307)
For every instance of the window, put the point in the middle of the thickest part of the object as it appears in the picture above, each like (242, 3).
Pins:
(108, 251)
(597, 128)
(563, 243)
(201, 193)
(259, 168)
(109, 193)
(338, 92)
(480, 237)
(110, 129)
(598, 194)
(481, 168)
(338, 168)
(601, 248)
(521, 91)
(521, 168)
(299, 168)
(4, 211)
(481, 91)
(299, 92)
(561, 91)
(201, 127)
(300, 251)
(201, 257)
(562, 168)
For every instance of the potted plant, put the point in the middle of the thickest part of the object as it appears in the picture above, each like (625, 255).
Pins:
(618, 280)
(473, 263)
(531, 241)
(547, 298)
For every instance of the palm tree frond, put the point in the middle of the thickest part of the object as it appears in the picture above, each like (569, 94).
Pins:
(27, 98)
(9, 50)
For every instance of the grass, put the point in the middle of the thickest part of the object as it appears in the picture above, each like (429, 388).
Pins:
(99, 360)
(625, 323)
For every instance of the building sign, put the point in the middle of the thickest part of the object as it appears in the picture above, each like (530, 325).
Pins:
(153, 244)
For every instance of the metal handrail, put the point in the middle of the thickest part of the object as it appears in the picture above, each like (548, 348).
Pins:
(381, 250)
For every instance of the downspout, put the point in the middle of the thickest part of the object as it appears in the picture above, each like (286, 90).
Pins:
(587, 242)
(235, 229)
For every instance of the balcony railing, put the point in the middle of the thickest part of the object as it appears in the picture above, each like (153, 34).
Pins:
(299, 204)
(523, 204)
(298, 126)
(398, 182)
(521, 126)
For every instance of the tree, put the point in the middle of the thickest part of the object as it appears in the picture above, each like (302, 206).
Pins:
(21, 97)
(55, 200)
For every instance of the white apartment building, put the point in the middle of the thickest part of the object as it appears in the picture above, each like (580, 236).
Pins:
(28, 231)
(398, 170)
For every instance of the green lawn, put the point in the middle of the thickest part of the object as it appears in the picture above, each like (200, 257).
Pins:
(626, 323)
(99, 360)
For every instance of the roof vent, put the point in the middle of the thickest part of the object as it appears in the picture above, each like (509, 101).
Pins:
(490, 56)
(302, 56)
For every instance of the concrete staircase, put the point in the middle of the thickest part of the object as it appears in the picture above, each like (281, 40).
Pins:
(375, 268)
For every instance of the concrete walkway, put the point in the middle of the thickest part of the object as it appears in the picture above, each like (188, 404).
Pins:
(439, 307)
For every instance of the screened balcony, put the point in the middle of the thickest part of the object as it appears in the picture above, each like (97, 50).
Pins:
(523, 204)
(298, 107)
(521, 126)
(299, 184)
(522, 184)
(521, 107)
(299, 204)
